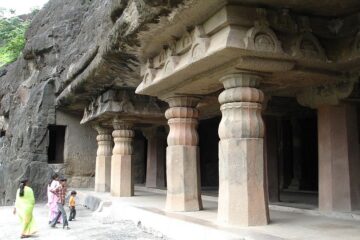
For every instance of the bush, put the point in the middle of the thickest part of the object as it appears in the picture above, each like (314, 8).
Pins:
(12, 38)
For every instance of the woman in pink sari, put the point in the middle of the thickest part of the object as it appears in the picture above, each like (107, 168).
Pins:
(52, 198)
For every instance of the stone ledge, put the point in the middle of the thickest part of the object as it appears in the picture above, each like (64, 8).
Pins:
(311, 212)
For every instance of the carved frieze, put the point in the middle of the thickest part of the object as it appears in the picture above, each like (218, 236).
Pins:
(261, 38)
(187, 49)
(284, 22)
(125, 102)
(306, 45)
(326, 94)
(236, 37)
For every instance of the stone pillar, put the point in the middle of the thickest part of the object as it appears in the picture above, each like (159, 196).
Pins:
(296, 154)
(103, 159)
(242, 196)
(121, 162)
(338, 137)
(272, 157)
(156, 151)
(182, 155)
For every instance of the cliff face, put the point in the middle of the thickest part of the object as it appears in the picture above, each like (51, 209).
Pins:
(74, 50)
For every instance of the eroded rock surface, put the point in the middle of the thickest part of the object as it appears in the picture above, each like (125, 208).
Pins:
(73, 48)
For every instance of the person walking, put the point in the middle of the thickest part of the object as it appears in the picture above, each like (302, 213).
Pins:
(60, 192)
(52, 198)
(72, 206)
(24, 206)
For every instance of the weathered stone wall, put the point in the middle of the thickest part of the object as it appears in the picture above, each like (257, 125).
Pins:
(74, 51)
(60, 34)
(79, 152)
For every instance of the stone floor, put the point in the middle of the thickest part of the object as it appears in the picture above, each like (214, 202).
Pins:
(147, 207)
(86, 226)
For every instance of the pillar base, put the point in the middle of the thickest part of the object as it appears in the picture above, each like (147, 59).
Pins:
(103, 168)
(242, 198)
(121, 176)
(182, 173)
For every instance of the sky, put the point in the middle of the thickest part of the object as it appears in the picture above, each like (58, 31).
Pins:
(22, 6)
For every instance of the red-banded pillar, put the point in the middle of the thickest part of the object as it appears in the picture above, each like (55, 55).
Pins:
(156, 148)
(182, 155)
(103, 159)
(122, 184)
(339, 159)
(242, 196)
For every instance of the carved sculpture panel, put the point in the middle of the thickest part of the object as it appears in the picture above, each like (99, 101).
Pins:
(307, 45)
(122, 102)
(262, 39)
(190, 47)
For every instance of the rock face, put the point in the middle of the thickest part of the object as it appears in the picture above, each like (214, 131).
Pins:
(61, 33)
(69, 43)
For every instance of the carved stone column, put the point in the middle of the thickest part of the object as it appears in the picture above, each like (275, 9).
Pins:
(121, 162)
(156, 151)
(339, 165)
(103, 159)
(242, 196)
(182, 155)
(297, 155)
(271, 142)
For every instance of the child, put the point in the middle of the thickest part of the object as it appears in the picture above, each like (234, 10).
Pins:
(60, 192)
(72, 206)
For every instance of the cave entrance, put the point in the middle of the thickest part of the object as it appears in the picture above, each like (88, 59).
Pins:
(56, 144)
(2, 133)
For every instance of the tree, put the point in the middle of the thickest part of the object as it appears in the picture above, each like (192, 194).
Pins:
(12, 37)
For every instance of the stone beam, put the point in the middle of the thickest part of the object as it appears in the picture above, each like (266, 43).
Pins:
(228, 41)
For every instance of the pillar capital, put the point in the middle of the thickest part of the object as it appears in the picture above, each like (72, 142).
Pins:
(241, 79)
(102, 129)
(119, 124)
(182, 100)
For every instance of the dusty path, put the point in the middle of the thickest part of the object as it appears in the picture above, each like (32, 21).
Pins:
(85, 227)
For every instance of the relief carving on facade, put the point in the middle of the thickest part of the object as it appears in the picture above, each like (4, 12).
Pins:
(326, 94)
(189, 48)
(306, 45)
(121, 101)
(261, 37)
(284, 22)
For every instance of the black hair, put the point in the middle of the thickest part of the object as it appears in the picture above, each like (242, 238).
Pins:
(53, 177)
(22, 187)
(63, 179)
(73, 192)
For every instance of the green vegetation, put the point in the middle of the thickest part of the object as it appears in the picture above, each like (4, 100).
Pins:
(12, 36)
